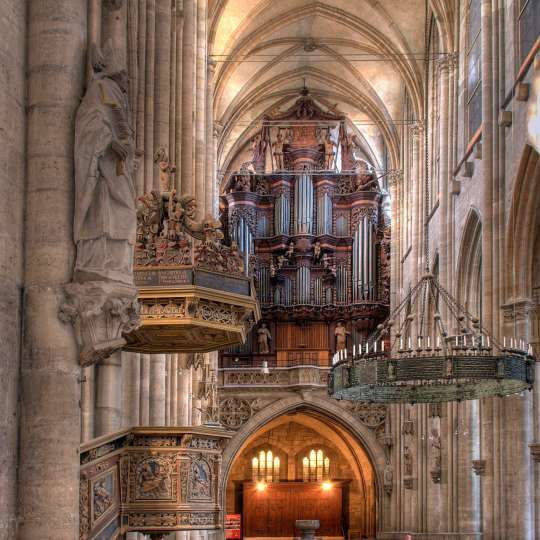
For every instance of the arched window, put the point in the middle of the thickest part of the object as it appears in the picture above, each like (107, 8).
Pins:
(473, 66)
(528, 26)
(265, 467)
(315, 466)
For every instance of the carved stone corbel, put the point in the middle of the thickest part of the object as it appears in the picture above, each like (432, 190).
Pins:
(479, 466)
(101, 312)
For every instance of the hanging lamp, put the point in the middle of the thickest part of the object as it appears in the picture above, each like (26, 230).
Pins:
(431, 349)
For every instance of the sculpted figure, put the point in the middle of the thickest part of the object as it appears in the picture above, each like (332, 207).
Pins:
(329, 152)
(165, 170)
(365, 179)
(273, 270)
(341, 336)
(388, 478)
(317, 251)
(263, 339)
(278, 152)
(290, 250)
(243, 179)
(407, 461)
(105, 218)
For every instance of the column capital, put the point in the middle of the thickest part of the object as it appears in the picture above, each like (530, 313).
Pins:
(416, 130)
(211, 65)
(479, 466)
(218, 129)
(518, 310)
(395, 177)
(447, 62)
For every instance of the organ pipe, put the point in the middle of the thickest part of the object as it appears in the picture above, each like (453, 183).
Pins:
(303, 204)
(364, 266)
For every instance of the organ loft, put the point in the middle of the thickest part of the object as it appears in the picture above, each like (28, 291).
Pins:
(310, 214)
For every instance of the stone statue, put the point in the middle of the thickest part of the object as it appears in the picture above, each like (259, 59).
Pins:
(277, 146)
(101, 302)
(161, 158)
(388, 478)
(105, 216)
(326, 261)
(273, 270)
(365, 178)
(407, 461)
(436, 449)
(263, 339)
(341, 336)
(243, 179)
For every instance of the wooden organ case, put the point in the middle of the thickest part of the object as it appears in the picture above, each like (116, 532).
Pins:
(308, 216)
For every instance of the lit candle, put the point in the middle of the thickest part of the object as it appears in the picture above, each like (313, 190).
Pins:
(354, 350)
(401, 343)
(410, 343)
(382, 345)
(504, 342)
(345, 353)
(419, 342)
(428, 342)
(488, 342)
(438, 342)
(375, 346)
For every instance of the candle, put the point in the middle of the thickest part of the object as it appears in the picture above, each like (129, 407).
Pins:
(401, 343)
(375, 346)
(504, 342)
(410, 343)
(382, 345)
(488, 342)
(438, 342)
(345, 353)
(354, 350)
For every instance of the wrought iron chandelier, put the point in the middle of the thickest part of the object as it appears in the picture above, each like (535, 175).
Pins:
(431, 349)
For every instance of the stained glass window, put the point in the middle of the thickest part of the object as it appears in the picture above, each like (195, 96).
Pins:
(474, 72)
(265, 467)
(315, 466)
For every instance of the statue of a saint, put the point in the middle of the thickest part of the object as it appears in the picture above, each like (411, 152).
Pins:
(329, 152)
(317, 251)
(161, 158)
(388, 478)
(105, 218)
(341, 336)
(263, 339)
(277, 145)
(407, 461)
(290, 250)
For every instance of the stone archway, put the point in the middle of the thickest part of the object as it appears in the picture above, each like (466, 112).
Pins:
(336, 416)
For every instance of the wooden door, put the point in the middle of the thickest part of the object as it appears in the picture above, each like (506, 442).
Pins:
(273, 512)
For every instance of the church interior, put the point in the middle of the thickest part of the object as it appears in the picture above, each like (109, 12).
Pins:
(270, 269)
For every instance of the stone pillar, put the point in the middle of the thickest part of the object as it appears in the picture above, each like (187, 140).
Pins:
(50, 373)
(131, 389)
(200, 105)
(184, 392)
(108, 409)
(144, 412)
(210, 178)
(88, 387)
(157, 390)
(173, 382)
(12, 184)
(188, 86)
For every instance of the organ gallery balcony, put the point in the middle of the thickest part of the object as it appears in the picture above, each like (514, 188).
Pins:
(195, 293)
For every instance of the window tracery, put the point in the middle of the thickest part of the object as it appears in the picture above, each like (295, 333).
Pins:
(315, 466)
(265, 467)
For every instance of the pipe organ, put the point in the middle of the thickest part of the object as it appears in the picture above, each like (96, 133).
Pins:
(307, 214)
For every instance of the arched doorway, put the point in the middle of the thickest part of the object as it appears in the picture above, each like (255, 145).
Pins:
(318, 464)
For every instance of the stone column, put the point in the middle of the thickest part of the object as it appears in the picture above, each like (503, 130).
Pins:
(173, 382)
(184, 392)
(108, 408)
(200, 104)
(88, 386)
(196, 402)
(131, 389)
(50, 373)
(188, 86)
(144, 412)
(157, 390)
(12, 184)
(210, 178)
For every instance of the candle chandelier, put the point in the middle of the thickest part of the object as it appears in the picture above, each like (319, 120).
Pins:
(431, 349)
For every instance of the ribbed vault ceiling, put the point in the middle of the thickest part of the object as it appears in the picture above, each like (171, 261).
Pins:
(356, 55)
